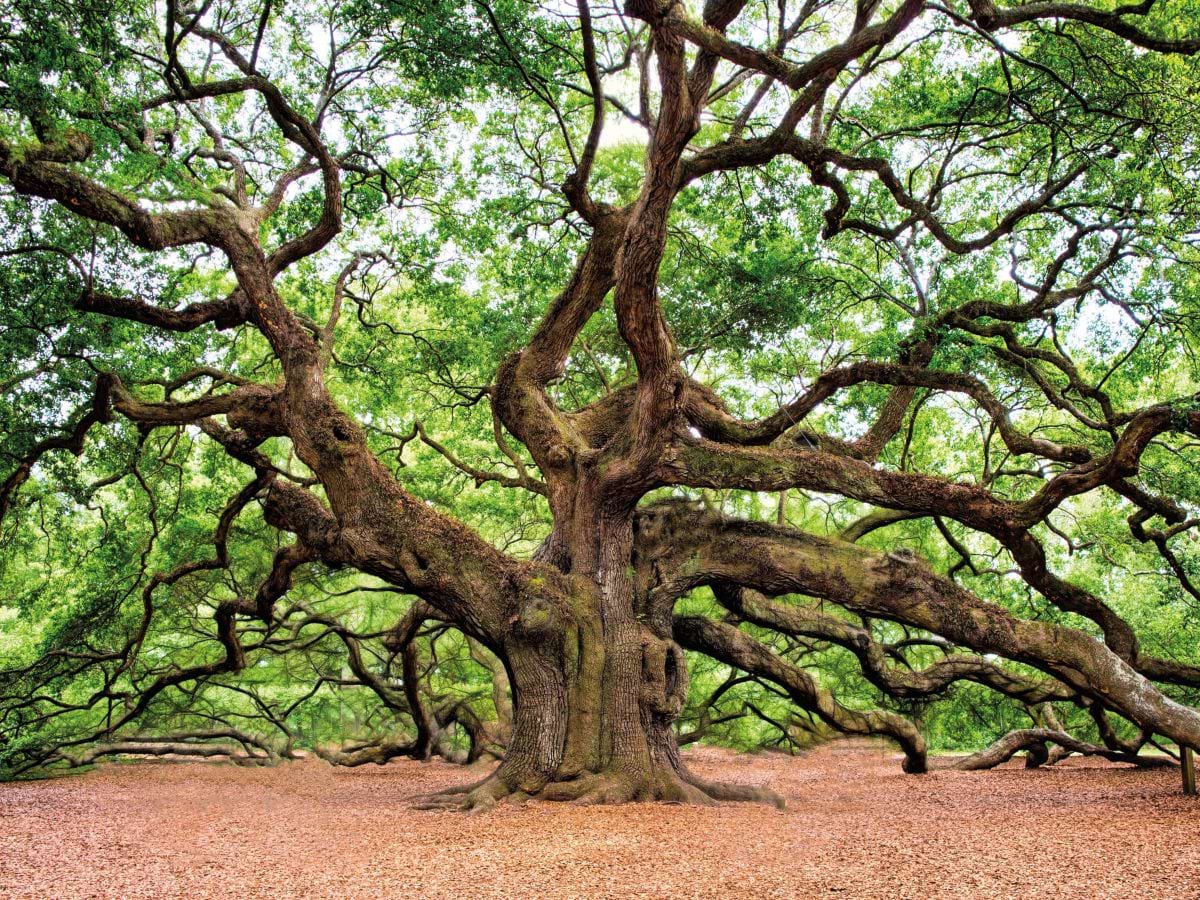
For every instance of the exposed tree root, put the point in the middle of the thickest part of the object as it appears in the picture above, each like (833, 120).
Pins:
(599, 788)
(477, 797)
(744, 793)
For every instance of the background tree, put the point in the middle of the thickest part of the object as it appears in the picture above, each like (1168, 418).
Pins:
(896, 390)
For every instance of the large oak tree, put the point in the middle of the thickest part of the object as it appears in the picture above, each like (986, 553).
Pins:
(922, 273)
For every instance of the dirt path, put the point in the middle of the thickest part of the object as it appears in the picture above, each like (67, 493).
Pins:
(855, 827)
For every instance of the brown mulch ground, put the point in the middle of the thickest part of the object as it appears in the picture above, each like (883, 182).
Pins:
(855, 827)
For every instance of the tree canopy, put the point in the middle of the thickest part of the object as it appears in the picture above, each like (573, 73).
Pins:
(567, 382)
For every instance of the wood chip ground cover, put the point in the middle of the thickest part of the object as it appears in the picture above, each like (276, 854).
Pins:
(855, 827)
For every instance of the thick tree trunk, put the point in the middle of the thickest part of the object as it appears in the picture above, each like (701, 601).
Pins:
(596, 690)
(593, 714)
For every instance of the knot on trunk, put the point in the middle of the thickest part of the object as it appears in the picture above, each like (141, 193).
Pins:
(259, 416)
(664, 675)
(558, 456)
(537, 616)
(651, 11)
